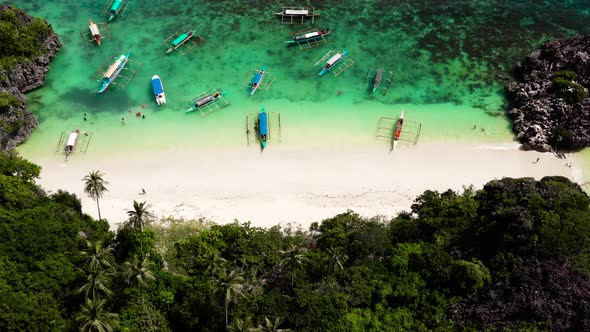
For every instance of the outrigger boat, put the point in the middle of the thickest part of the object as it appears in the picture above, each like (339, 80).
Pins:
(158, 90)
(94, 31)
(111, 74)
(377, 80)
(309, 35)
(332, 61)
(114, 9)
(257, 79)
(398, 129)
(204, 101)
(71, 143)
(263, 127)
(183, 38)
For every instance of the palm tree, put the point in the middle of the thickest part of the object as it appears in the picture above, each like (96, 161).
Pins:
(138, 272)
(230, 285)
(94, 318)
(335, 259)
(98, 257)
(272, 326)
(95, 284)
(293, 259)
(94, 186)
(245, 325)
(216, 264)
(136, 216)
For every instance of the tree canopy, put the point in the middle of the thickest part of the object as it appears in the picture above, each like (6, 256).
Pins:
(512, 256)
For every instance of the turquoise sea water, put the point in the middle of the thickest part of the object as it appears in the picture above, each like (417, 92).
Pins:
(446, 57)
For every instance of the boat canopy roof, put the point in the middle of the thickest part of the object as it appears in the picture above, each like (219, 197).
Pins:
(179, 39)
(114, 66)
(263, 123)
(257, 78)
(72, 139)
(334, 59)
(116, 5)
(94, 29)
(296, 12)
(157, 85)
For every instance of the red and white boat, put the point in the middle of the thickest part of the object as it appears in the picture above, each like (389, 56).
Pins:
(94, 31)
(398, 129)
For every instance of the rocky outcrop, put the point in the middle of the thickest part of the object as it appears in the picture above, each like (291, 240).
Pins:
(550, 107)
(16, 124)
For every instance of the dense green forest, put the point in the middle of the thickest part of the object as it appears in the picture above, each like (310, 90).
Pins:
(20, 38)
(513, 256)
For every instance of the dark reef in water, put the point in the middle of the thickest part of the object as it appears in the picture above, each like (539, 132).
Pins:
(550, 107)
(26, 50)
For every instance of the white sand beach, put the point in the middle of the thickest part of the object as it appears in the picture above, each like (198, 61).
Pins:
(287, 184)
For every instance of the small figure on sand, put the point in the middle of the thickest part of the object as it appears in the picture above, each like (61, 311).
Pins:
(142, 191)
(536, 161)
(474, 126)
(123, 121)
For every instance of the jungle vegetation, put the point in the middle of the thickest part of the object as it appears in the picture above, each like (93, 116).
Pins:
(512, 256)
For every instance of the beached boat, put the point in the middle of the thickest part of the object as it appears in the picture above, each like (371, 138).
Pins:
(94, 31)
(398, 129)
(263, 127)
(158, 90)
(203, 101)
(178, 41)
(256, 80)
(111, 74)
(332, 61)
(115, 7)
(71, 143)
(308, 35)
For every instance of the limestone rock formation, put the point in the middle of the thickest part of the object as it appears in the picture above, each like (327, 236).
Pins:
(16, 124)
(550, 107)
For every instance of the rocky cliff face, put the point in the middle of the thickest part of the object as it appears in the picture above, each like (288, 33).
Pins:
(16, 124)
(550, 108)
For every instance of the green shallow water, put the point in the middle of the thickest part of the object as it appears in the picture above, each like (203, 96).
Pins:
(445, 56)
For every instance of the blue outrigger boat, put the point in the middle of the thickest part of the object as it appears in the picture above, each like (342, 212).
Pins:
(263, 127)
(158, 90)
(332, 61)
(114, 70)
(257, 79)
(114, 9)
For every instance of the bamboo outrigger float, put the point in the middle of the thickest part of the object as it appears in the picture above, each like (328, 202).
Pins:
(337, 62)
(395, 130)
(297, 15)
(116, 7)
(310, 38)
(258, 79)
(378, 79)
(70, 142)
(187, 40)
(93, 33)
(208, 102)
(263, 127)
(114, 71)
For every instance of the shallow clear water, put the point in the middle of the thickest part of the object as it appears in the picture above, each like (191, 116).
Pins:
(446, 57)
